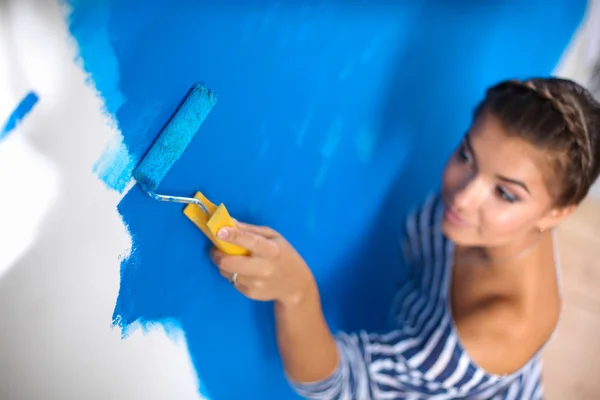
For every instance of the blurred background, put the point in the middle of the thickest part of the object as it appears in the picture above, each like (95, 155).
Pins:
(105, 295)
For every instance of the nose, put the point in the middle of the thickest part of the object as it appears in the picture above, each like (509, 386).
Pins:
(470, 196)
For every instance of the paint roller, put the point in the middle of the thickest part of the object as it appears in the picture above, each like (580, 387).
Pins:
(167, 149)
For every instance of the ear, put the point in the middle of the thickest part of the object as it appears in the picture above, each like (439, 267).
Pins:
(554, 217)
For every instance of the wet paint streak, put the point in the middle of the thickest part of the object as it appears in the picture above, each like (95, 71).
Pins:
(115, 166)
(366, 140)
(301, 133)
(275, 65)
(24, 108)
(332, 141)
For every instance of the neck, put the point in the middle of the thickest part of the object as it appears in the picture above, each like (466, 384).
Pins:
(514, 250)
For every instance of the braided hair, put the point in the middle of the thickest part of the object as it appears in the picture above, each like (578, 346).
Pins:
(558, 117)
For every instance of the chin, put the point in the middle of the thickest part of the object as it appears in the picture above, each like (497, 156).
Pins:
(450, 232)
(459, 235)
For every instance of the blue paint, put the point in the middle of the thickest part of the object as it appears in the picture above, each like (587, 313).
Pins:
(175, 137)
(365, 141)
(303, 128)
(115, 166)
(24, 107)
(399, 76)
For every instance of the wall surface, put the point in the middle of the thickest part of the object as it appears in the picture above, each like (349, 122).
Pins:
(333, 119)
(582, 58)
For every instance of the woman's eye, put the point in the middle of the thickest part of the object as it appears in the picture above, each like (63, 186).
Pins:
(463, 155)
(506, 196)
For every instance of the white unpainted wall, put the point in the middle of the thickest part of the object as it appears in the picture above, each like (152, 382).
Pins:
(61, 237)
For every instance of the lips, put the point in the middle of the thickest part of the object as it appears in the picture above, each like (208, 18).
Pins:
(455, 218)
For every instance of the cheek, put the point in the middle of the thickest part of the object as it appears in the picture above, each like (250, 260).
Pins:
(503, 219)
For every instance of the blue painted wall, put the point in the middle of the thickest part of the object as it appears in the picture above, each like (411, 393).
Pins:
(333, 119)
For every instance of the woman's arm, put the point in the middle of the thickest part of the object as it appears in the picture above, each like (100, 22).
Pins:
(318, 364)
(306, 345)
(275, 271)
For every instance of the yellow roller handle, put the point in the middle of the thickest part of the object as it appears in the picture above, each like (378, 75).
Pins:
(210, 224)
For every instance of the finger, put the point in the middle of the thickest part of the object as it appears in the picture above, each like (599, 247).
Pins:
(240, 280)
(229, 276)
(244, 280)
(256, 243)
(246, 265)
(227, 262)
(249, 287)
(265, 231)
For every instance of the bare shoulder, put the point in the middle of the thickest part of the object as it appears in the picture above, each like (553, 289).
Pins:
(502, 327)
(501, 338)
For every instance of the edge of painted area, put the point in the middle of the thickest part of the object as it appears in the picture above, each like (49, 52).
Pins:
(171, 328)
(114, 167)
(20, 112)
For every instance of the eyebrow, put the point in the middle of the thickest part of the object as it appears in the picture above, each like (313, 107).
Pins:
(502, 178)
(514, 182)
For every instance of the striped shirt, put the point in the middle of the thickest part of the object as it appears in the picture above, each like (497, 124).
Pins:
(423, 357)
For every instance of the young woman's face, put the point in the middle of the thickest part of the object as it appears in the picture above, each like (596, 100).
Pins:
(493, 188)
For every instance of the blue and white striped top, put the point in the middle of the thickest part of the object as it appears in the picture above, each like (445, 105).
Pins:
(423, 357)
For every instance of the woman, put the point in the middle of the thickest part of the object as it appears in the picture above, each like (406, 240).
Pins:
(482, 298)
